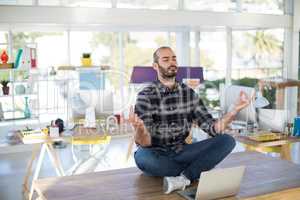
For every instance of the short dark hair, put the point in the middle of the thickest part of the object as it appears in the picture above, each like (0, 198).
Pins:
(155, 54)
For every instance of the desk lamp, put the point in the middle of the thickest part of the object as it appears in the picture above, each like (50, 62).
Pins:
(260, 101)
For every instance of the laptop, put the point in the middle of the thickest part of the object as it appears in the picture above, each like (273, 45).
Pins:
(217, 183)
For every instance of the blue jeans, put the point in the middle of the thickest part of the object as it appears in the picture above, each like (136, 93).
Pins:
(191, 161)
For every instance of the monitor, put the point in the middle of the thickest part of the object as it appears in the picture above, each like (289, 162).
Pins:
(229, 96)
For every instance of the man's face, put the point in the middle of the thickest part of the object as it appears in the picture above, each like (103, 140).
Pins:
(167, 64)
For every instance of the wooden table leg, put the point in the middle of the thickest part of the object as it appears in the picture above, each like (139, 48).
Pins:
(280, 98)
(38, 168)
(46, 147)
(26, 186)
(55, 160)
(285, 152)
(130, 147)
(248, 147)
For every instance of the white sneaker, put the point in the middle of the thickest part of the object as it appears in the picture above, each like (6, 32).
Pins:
(175, 183)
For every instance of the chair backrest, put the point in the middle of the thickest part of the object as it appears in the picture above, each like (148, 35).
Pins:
(144, 74)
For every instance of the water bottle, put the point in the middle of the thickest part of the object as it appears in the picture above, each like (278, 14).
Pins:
(296, 131)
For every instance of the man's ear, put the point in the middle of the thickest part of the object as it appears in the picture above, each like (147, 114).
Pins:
(155, 66)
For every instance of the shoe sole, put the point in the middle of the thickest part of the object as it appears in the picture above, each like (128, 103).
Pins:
(165, 186)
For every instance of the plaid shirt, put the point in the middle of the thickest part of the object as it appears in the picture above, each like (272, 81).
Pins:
(168, 114)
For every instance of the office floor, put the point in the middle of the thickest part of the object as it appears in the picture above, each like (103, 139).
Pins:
(13, 165)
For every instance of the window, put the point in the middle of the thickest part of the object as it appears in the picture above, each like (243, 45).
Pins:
(3, 37)
(101, 45)
(263, 6)
(4, 47)
(139, 47)
(213, 54)
(51, 46)
(212, 57)
(51, 51)
(104, 50)
(4, 42)
(148, 4)
(210, 5)
(257, 54)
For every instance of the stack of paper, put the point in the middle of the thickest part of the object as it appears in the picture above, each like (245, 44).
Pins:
(33, 136)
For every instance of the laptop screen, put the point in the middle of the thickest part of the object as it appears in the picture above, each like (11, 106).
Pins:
(227, 184)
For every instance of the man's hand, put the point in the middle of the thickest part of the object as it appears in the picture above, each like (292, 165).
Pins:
(242, 102)
(142, 135)
(136, 122)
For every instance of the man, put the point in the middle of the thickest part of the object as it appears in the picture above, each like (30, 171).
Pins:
(164, 113)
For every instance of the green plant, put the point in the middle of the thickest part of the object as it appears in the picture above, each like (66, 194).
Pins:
(4, 83)
(86, 55)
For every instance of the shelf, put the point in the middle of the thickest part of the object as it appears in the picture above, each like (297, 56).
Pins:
(7, 66)
(12, 115)
(22, 81)
(12, 82)
(73, 68)
(17, 113)
(56, 80)
(18, 95)
(24, 95)
(19, 121)
(5, 96)
(12, 69)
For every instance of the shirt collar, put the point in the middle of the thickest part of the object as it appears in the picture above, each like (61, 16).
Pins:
(162, 88)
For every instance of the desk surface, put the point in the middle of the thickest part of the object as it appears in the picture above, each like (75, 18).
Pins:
(264, 175)
(248, 141)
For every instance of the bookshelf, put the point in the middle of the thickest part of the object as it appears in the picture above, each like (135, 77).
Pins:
(22, 101)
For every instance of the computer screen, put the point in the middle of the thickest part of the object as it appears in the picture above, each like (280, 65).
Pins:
(228, 98)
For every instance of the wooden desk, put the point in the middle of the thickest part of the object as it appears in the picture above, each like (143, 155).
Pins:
(282, 146)
(264, 176)
(42, 147)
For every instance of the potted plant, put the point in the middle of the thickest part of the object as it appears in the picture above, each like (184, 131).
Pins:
(86, 60)
(5, 87)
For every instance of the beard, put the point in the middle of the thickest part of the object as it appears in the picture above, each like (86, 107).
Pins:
(169, 72)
